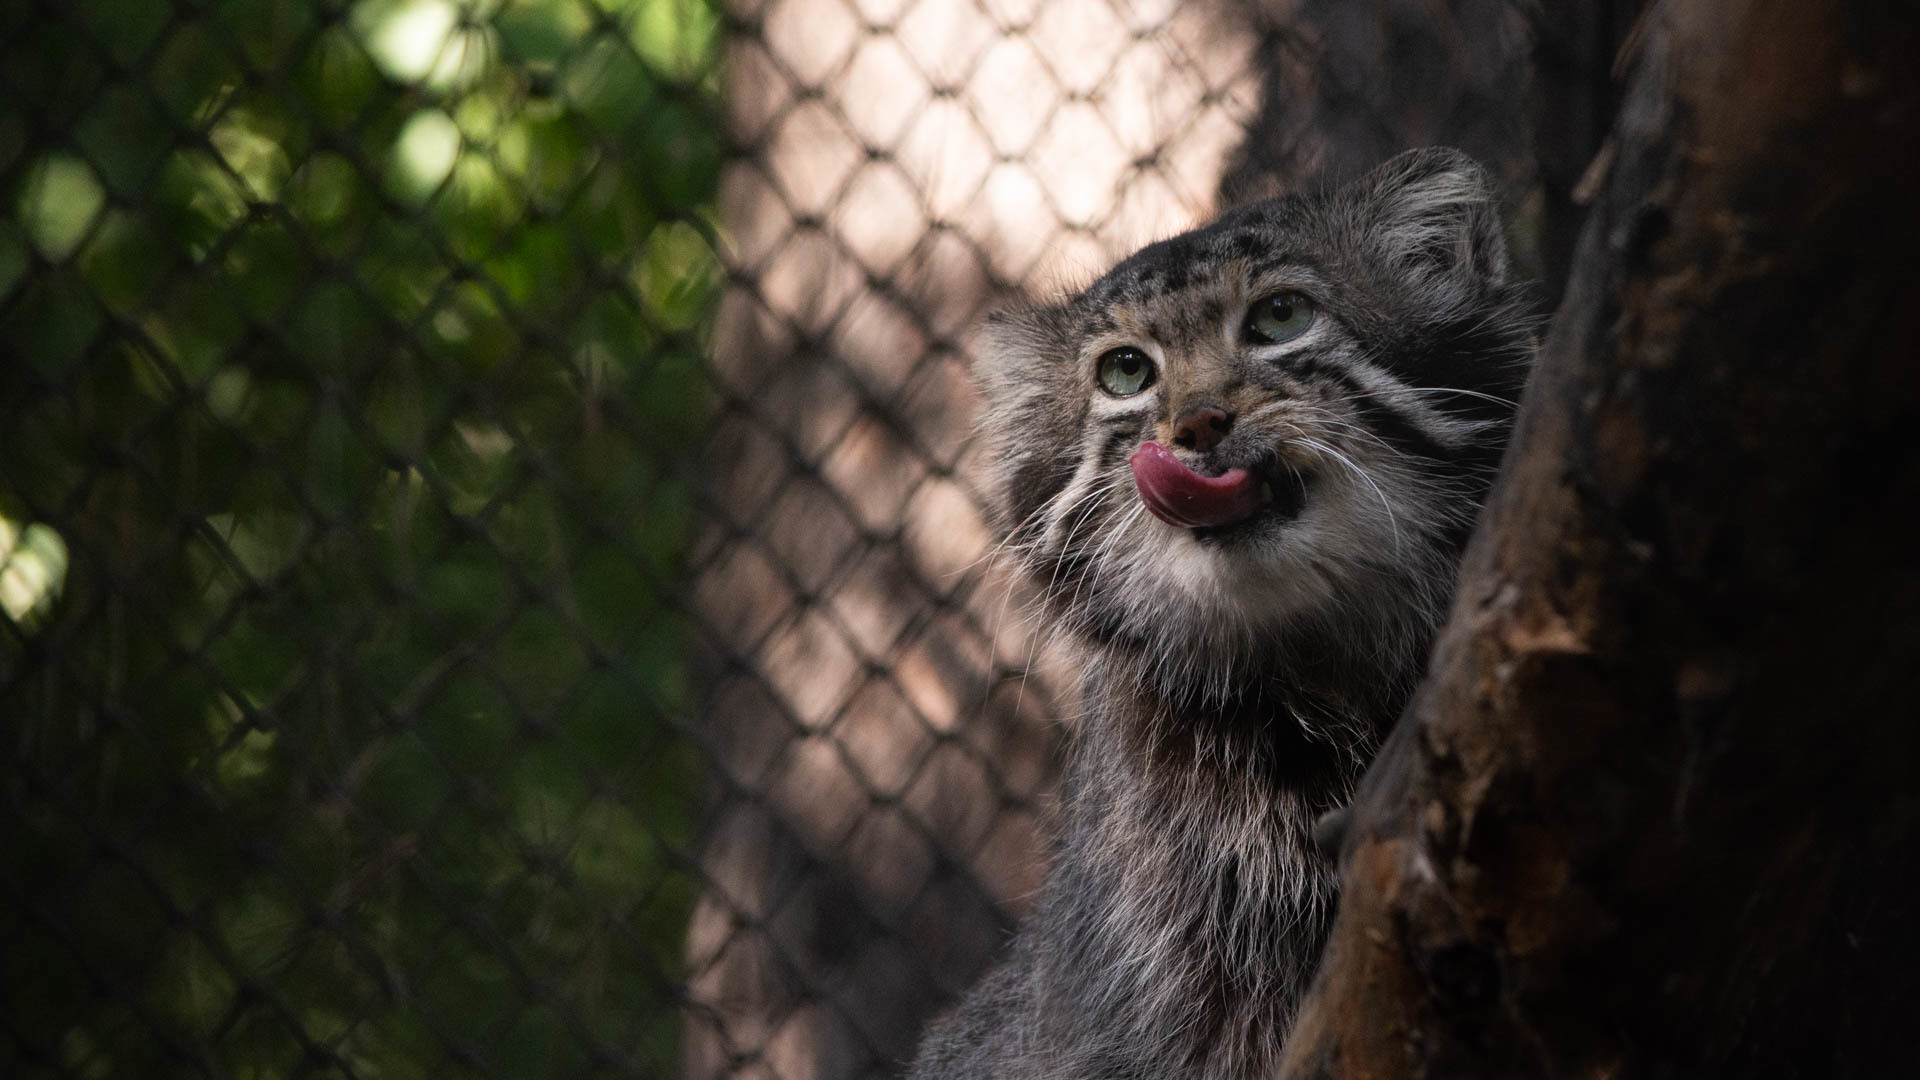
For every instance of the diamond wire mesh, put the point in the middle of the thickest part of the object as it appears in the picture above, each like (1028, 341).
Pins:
(496, 580)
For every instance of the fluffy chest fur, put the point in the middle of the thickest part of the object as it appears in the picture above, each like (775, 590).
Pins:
(1240, 467)
(1184, 895)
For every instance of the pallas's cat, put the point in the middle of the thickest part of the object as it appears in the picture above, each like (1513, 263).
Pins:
(1240, 468)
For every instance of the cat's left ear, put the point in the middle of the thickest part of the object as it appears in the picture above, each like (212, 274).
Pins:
(1434, 212)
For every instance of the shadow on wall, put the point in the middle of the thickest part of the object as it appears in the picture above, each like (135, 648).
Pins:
(882, 754)
(875, 800)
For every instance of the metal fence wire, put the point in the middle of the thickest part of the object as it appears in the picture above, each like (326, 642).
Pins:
(495, 577)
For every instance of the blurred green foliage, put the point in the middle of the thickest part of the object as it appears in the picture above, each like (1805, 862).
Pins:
(351, 367)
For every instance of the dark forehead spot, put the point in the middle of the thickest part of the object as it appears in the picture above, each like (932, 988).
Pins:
(1246, 244)
(1166, 266)
(1181, 275)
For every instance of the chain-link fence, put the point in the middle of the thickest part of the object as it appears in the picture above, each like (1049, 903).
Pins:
(494, 576)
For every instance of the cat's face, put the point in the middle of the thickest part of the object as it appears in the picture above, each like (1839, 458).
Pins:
(1284, 420)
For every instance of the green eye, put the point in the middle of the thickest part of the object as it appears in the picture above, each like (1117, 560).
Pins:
(1125, 372)
(1281, 317)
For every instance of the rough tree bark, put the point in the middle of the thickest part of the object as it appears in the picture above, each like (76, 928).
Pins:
(1653, 813)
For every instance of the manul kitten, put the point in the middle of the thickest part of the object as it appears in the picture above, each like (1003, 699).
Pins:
(1240, 467)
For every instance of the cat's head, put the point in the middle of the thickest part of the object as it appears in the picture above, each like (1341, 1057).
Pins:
(1274, 428)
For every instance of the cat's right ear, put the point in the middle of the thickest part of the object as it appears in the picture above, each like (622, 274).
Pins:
(1017, 348)
(1023, 364)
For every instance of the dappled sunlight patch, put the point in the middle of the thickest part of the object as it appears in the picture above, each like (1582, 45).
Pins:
(33, 570)
(58, 204)
(675, 274)
(423, 155)
(252, 153)
(432, 42)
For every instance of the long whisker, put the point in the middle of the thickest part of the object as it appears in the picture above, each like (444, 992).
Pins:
(1327, 419)
(1404, 388)
(995, 551)
(1091, 501)
(1392, 521)
(1099, 556)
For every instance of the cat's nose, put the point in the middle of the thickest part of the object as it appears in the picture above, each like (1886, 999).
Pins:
(1201, 428)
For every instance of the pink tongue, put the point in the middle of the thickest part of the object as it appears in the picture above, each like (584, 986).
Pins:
(1179, 496)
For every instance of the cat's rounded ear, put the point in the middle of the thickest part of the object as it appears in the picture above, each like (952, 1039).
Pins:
(1434, 211)
(1015, 346)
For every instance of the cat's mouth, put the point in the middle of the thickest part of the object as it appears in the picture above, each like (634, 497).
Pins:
(1283, 495)
(1215, 505)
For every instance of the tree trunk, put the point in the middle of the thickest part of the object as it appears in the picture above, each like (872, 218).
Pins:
(1653, 813)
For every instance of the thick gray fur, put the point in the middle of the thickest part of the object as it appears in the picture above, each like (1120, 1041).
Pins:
(1238, 680)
